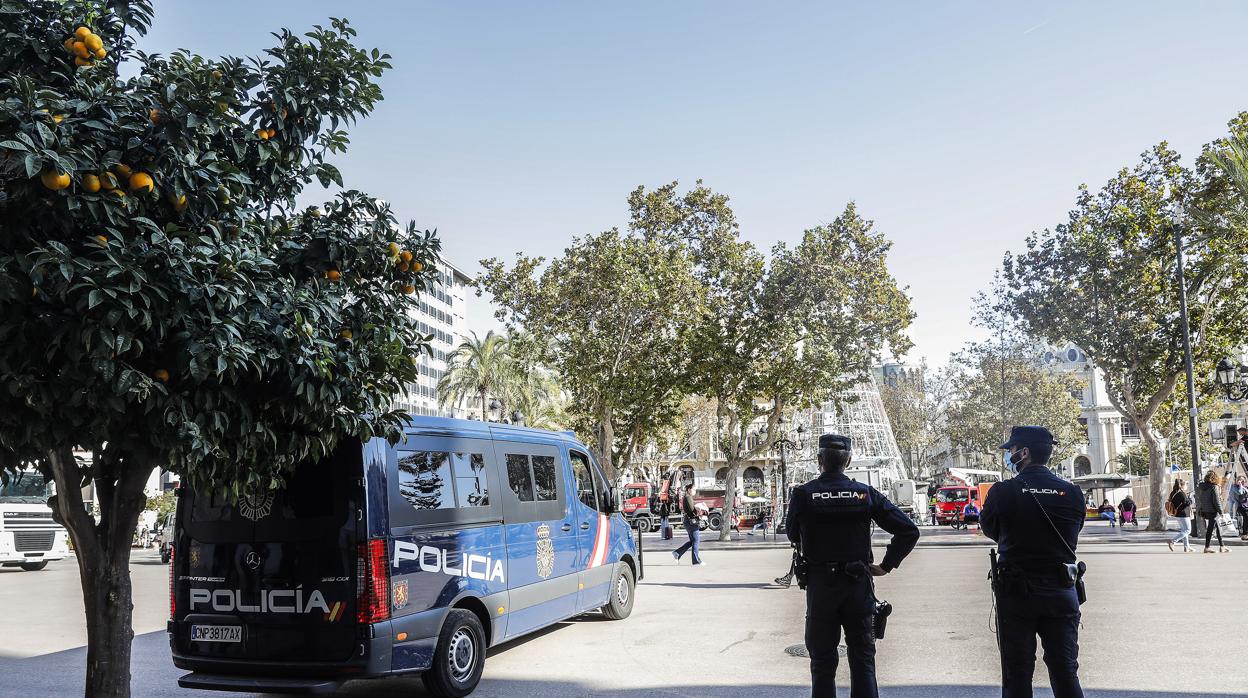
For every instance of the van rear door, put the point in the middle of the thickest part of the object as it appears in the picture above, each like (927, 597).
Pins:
(274, 576)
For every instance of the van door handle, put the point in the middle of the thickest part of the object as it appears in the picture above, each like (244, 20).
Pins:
(584, 525)
(566, 527)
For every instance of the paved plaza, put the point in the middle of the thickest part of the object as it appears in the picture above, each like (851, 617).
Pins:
(722, 629)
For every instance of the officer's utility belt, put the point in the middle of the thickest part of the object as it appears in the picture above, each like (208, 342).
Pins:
(1018, 577)
(856, 569)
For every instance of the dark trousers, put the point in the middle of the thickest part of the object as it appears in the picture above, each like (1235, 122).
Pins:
(834, 600)
(691, 529)
(1052, 612)
(1211, 527)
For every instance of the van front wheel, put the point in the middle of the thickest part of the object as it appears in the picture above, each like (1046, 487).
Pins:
(459, 658)
(621, 603)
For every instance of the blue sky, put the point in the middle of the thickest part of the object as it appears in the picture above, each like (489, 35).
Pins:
(957, 127)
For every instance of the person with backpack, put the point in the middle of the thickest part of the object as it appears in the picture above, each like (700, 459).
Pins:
(1179, 505)
(1209, 508)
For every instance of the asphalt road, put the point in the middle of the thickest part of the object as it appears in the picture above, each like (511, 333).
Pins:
(722, 630)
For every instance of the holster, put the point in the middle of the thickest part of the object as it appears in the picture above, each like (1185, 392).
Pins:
(801, 569)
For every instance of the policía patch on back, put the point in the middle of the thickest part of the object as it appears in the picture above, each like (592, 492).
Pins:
(839, 502)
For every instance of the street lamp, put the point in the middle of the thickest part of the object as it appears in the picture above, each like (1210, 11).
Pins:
(784, 443)
(1233, 379)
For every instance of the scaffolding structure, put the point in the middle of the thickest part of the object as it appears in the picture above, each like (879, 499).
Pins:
(862, 418)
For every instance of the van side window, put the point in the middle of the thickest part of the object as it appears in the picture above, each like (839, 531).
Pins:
(519, 477)
(544, 478)
(471, 489)
(425, 479)
(584, 481)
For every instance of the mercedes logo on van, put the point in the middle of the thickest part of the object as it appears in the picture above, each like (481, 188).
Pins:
(252, 560)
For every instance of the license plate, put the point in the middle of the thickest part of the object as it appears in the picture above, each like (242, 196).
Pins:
(216, 633)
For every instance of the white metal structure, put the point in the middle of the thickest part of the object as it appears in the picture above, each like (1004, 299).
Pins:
(29, 538)
(862, 418)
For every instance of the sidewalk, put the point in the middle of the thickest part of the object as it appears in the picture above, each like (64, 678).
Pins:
(1094, 533)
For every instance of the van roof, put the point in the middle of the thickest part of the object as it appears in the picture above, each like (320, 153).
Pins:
(486, 429)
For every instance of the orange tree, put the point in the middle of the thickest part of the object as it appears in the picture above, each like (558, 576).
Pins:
(163, 302)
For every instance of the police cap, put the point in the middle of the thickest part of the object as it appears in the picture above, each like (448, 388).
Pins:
(834, 442)
(1029, 437)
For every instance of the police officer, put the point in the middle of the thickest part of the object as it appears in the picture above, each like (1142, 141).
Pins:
(829, 522)
(1035, 517)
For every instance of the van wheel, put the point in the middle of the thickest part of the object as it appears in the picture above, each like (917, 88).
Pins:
(643, 524)
(621, 603)
(716, 521)
(34, 566)
(459, 658)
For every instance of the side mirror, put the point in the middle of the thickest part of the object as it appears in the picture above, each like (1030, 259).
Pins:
(612, 503)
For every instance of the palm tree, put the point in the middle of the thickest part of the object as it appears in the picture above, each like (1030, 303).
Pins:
(478, 368)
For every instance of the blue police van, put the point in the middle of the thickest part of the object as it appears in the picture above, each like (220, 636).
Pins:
(382, 560)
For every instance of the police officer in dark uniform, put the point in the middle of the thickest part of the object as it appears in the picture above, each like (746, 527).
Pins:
(829, 522)
(1035, 517)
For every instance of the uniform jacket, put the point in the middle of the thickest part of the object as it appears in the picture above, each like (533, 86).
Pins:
(1012, 518)
(1207, 503)
(830, 521)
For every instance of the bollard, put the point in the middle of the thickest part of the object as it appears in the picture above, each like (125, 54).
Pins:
(641, 566)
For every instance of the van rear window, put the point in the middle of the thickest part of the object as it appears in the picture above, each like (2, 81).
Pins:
(519, 477)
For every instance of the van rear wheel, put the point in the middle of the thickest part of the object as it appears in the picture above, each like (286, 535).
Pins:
(621, 603)
(459, 658)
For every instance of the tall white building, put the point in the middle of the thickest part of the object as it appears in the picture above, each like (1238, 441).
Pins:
(443, 313)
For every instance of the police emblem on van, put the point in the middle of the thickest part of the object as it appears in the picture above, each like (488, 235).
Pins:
(545, 552)
(256, 506)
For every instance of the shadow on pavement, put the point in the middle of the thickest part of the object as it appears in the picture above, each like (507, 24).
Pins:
(695, 585)
(154, 676)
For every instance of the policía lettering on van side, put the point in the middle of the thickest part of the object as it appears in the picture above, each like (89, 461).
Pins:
(434, 559)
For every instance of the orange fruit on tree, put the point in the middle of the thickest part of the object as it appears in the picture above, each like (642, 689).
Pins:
(333, 274)
(82, 32)
(93, 42)
(82, 62)
(54, 180)
(417, 266)
(100, 53)
(217, 75)
(90, 183)
(393, 248)
(141, 180)
(80, 50)
(58, 118)
(154, 115)
(262, 134)
(345, 334)
(161, 375)
(405, 256)
(179, 202)
(117, 193)
(108, 180)
(101, 239)
(122, 169)
(409, 289)
(69, 44)
(403, 266)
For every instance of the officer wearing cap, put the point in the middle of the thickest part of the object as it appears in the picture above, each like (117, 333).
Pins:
(829, 522)
(1035, 517)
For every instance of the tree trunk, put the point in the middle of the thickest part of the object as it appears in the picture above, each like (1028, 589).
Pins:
(730, 499)
(1156, 477)
(103, 552)
(484, 416)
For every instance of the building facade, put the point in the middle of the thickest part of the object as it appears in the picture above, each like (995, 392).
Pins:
(443, 314)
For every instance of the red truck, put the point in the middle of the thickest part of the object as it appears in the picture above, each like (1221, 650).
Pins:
(642, 502)
(962, 486)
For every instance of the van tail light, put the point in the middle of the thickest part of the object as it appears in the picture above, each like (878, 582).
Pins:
(173, 599)
(372, 582)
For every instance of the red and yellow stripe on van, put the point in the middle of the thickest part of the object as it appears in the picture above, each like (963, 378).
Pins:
(599, 555)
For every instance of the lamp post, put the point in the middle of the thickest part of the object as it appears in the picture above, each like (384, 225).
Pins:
(1233, 379)
(784, 443)
(1193, 429)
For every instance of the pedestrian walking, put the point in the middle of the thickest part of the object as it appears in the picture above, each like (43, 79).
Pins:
(1239, 494)
(689, 517)
(1209, 508)
(1036, 517)
(1179, 505)
(829, 522)
(1108, 512)
(1128, 510)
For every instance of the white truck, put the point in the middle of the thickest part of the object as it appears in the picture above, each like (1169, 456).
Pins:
(29, 538)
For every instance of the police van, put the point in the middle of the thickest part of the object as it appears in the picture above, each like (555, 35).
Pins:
(382, 560)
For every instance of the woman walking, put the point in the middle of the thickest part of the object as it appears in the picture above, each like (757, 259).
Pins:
(689, 516)
(1209, 508)
(1179, 505)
